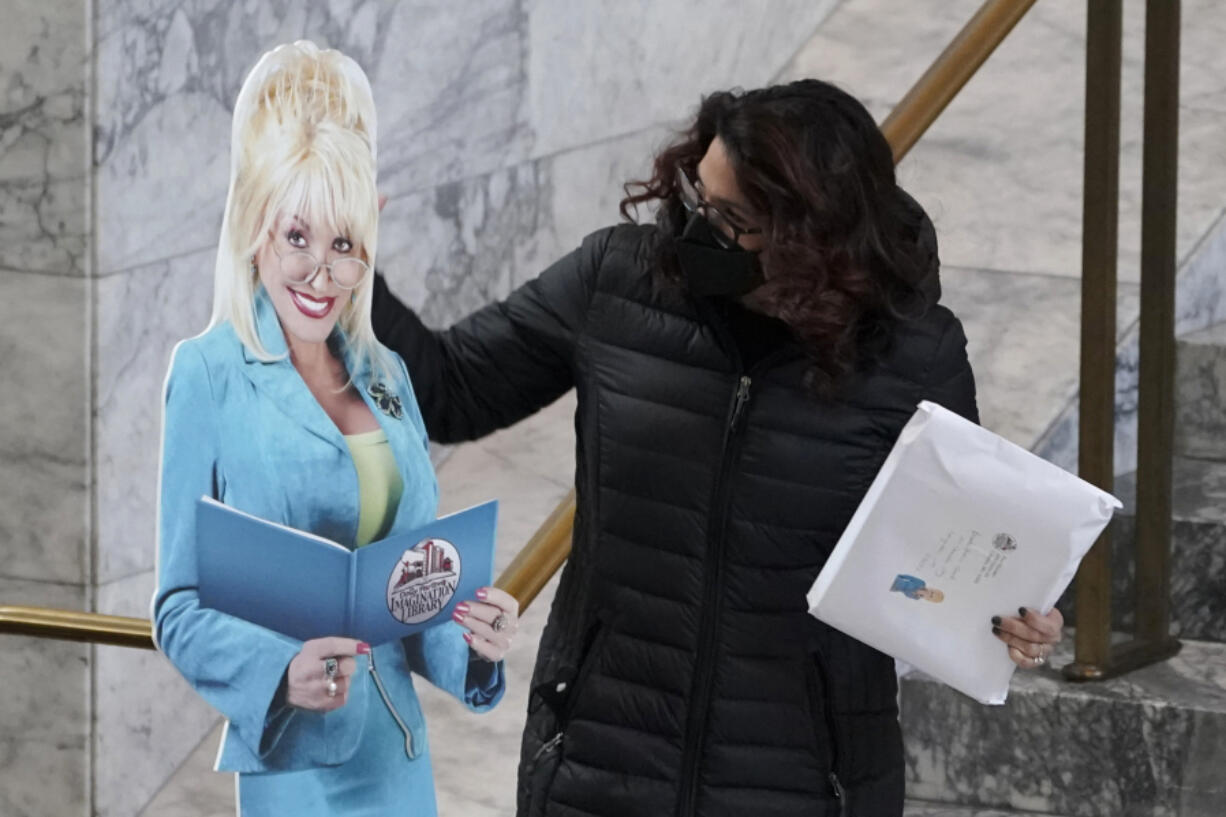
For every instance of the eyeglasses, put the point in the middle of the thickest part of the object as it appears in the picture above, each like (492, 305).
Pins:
(300, 267)
(727, 231)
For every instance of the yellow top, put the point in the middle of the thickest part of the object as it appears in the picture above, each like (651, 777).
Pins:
(379, 484)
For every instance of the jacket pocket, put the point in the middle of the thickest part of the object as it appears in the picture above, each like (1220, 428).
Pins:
(825, 722)
(561, 695)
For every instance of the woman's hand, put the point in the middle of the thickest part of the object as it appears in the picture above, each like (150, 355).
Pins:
(318, 678)
(1030, 636)
(492, 622)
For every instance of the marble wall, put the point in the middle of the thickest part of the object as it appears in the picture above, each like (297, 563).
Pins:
(506, 128)
(44, 415)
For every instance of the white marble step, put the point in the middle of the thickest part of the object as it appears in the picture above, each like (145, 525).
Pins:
(917, 808)
(1200, 395)
(1150, 743)
(1198, 553)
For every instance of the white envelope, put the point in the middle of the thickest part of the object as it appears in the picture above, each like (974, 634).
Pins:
(960, 525)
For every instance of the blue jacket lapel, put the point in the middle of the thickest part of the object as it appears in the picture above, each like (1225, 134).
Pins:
(280, 380)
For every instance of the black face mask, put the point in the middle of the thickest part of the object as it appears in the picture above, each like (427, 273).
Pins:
(710, 269)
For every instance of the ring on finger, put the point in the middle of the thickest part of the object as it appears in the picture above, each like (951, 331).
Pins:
(331, 667)
(499, 623)
(331, 688)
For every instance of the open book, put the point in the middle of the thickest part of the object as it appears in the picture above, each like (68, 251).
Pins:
(305, 586)
(960, 525)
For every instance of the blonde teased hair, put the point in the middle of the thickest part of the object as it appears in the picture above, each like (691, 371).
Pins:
(302, 144)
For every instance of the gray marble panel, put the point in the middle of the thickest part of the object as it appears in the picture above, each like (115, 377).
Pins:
(147, 718)
(43, 777)
(45, 711)
(1149, 743)
(451, 250)
(141, 315)
(598, 70)
(44, 506)
(450, 82)
(446, 83)
(44, 157)
(1200, 401)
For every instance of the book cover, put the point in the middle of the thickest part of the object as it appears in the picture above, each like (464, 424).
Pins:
(305, 586)
(960, 525)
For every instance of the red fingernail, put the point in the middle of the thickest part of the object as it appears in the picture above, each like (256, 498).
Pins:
(468, 637)
(462, 608)
(458, 616)
(482, 593)
(363, 648)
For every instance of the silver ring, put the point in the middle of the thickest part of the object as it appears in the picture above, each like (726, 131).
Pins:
(331, 688)
(1040, 659)
(331, 667)
(499, 623)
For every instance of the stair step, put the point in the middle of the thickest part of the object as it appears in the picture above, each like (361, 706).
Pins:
(1198, 553)
(1152, 742)
(1200, 399)
(916, 808)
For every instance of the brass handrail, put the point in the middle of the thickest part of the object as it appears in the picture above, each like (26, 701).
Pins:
(524, 578)
(960, 60)
(549, 547)
(73, 625)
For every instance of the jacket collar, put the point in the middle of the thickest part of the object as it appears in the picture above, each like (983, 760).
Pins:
(281, 380)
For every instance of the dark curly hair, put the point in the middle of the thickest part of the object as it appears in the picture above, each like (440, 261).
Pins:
(847, 252)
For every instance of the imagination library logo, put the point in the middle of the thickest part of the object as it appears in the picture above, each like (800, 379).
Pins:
(423, 581)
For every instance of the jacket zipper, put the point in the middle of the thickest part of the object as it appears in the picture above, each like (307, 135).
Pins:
(836, 784)
(700, 690)
(572, 689)
(408, 734)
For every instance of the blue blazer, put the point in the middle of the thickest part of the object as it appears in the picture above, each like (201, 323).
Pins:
(250, 434)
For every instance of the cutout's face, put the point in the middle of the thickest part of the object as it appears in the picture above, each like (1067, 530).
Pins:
(717, 185)
(928, 594)
(308, 309)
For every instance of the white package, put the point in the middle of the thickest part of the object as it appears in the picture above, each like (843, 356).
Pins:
(960, 525)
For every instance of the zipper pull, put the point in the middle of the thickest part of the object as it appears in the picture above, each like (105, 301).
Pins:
(839, 793)
(742, 400)
(387, 701)
(547, 746)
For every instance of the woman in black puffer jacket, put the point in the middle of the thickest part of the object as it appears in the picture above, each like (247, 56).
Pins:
(743, 367)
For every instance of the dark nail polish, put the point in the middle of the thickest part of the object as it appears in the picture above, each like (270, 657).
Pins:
(1022, 611)
(995, 631)
(996, 619)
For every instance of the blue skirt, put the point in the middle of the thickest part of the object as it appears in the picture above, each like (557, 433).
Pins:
(378, 781)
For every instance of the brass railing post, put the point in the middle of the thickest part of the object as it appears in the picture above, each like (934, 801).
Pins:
(1099, 260)
(1096, 656)
(1156, 387)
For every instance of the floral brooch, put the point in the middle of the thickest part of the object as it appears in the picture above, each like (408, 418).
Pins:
(387, 402)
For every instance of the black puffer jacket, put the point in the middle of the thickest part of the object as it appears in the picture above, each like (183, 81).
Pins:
(679, 673)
